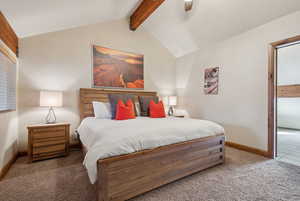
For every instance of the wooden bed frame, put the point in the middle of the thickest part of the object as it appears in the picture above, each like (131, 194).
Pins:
(126, 176)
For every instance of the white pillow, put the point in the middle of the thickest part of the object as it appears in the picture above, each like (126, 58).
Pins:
(102, 110)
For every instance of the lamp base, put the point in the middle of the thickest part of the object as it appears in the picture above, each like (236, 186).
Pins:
(171, 111)
(51, 117)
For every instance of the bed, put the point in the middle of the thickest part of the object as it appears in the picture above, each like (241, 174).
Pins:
(124, 176)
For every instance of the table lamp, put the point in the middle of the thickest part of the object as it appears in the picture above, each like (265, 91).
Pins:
(51, 99)
(172, 103)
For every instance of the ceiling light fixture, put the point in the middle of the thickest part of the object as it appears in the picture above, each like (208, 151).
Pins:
(188, 5)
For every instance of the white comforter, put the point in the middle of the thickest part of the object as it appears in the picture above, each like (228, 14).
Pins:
(105, 137)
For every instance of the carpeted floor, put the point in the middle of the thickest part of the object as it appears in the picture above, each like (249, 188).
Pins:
(244, 177)
(288, 145)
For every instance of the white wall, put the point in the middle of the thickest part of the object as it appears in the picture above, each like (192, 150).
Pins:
(289, 73)
(8, 132)
(241, 105)
(62, 61)
(8, 137)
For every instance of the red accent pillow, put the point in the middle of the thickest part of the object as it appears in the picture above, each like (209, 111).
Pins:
(157, 110)
(125, 112)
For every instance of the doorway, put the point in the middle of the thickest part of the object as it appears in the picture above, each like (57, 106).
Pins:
(288, 103)
(284, 100)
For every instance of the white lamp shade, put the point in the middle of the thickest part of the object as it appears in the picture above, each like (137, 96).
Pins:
(172, 100)
(51, 99)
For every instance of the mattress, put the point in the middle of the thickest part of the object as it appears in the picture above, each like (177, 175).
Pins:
(106, 138)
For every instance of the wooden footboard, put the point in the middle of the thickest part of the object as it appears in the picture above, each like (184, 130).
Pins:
(123, 177)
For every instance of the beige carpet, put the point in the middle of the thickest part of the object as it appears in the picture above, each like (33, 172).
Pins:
(288, 145)
(244, 177)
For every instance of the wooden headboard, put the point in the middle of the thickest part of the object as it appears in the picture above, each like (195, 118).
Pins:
(87, 96)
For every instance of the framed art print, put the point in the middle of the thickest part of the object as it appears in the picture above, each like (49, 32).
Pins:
(211, 80)
(117, 69)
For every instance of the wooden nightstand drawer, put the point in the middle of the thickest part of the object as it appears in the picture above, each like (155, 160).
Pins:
(49, 149)
(42, 156)
(48, 134)
(48, 141)
(49, 129)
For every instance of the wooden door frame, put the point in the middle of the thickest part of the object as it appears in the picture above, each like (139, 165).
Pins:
(272, 93)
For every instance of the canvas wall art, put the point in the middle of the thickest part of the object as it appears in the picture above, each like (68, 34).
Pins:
(117, 69)
(211, 81)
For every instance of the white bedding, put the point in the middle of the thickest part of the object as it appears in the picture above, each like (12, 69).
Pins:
(105, 137)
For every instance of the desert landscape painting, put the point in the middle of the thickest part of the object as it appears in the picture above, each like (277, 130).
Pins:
(117, 69)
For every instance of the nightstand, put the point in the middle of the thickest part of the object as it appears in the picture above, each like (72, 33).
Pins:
(48, 141)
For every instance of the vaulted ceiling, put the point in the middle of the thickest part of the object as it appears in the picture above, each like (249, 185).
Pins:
(31, 17)
(210, 21)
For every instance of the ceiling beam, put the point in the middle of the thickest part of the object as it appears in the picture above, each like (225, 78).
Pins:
(144, 10)
(7, 34)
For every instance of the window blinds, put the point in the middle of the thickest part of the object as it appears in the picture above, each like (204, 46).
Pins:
(7, 83)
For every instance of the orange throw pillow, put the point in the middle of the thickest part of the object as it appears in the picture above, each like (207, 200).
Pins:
(157, 110)
(125, 112)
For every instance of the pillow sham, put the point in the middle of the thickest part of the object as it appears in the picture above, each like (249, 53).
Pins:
(114, 98)
(144, 104)
(101, 110)
(157, 110)
(125, 112)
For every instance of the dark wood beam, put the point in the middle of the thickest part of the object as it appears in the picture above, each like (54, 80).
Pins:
(144, 10)
(7, 34)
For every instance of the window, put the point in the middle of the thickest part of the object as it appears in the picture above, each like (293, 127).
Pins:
(7, 82)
